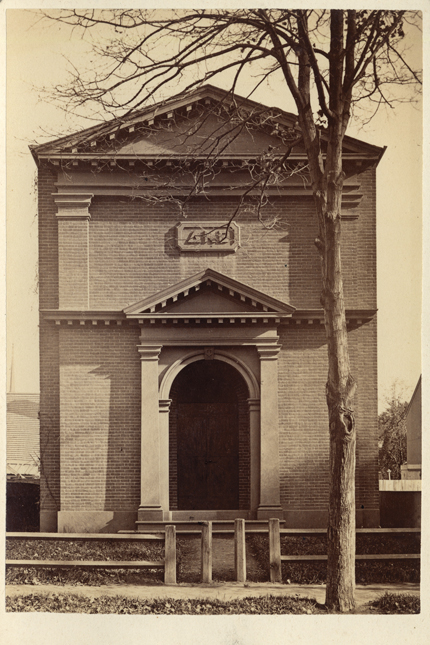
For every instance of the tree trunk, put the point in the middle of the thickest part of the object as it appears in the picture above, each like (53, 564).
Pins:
(339, 390)
(327, 185)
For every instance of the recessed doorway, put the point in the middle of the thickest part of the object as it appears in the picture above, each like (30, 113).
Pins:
(209, 438)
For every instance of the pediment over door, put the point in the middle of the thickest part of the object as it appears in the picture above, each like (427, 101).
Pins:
(210, 294)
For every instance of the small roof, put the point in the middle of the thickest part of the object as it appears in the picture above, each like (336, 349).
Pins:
(218, 294)
(22, 444)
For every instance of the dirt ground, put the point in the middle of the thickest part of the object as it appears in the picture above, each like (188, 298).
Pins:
(221, 590)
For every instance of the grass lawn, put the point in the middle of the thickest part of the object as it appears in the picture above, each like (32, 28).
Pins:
(75, 603)
(22, 549)
(366, 572)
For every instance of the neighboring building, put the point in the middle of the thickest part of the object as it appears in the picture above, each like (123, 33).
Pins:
(183, 370)
(22, 457)
(400, 499)
(413, 468)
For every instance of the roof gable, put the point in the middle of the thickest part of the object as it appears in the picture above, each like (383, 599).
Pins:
(209, 293)
(201, 118)
(199, 135)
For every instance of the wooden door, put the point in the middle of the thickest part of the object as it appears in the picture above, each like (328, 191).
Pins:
(208, 456)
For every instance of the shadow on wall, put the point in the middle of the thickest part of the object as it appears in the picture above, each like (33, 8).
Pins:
(122, 368)
(101, 419)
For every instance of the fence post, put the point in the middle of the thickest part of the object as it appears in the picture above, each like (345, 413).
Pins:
(239, 550)
(207, 552)
(275, 550)
(170, 555)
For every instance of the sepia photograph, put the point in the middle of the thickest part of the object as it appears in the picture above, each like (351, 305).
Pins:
(214, 270)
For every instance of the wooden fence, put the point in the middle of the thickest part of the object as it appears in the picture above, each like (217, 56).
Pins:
(276, 558)
(168, 564)
(239, 551)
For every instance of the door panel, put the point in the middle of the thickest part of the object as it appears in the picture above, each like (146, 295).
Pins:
(208, 456)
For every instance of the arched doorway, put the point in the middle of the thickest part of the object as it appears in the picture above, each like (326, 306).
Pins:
(209, 438)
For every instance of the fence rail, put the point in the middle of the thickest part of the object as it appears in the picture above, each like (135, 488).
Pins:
(86, 536)
(168, 564)
(276, 558)
(168, 535)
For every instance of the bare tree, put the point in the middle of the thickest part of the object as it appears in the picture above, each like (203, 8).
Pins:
(333, 63)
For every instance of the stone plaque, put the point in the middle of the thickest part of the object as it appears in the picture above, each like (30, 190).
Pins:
(207, 236)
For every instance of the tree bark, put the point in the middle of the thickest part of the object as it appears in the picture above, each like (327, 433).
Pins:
(327, 184)
(340, 388)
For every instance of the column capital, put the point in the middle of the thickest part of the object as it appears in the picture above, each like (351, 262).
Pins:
(149, 352)
(164, 405)
(73, 205)
(268, 352)
(254, 405)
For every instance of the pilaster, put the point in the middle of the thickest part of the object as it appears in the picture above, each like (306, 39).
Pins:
(150, 485)
(164, 408)
(254, 431)
(270, 501)
(73, 249)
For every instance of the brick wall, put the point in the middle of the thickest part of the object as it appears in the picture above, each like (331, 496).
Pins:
(48, 338)
(49, 418)
(73, 243)
(100, 417)
(132, 255)
(303, 416)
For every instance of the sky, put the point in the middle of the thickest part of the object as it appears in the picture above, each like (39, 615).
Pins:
(36, 57)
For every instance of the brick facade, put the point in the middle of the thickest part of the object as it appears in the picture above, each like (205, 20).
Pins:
(91, 268)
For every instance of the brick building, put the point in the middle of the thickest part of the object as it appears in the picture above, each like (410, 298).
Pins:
(182, 363)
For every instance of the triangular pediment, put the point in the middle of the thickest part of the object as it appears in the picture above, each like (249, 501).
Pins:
(206, 294)
(203, 120)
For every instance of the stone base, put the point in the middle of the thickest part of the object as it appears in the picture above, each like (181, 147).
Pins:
(95, 521)
(114, 521)
(267, 512)
(208, 515)
(48, 522)
(145, 514)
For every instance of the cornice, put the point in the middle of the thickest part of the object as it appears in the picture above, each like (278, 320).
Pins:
(316, 316)
(73, 205)
(301, 317)
(147, 183)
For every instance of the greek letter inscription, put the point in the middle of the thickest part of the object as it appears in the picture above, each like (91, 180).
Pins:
(213, 236)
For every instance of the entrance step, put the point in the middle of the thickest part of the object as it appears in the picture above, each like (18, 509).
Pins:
(194, 526)
(223, 569)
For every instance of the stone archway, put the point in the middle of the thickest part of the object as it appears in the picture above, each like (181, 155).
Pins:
(219, 355)
(209, 439)
(262, 414)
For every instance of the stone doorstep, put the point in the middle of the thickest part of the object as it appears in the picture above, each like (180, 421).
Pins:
(194, 526)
